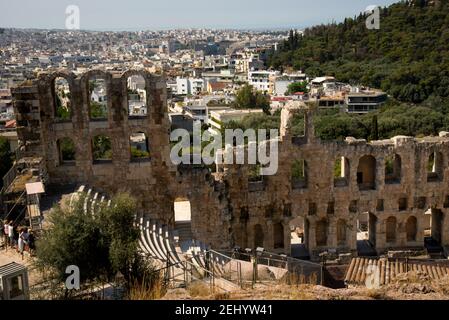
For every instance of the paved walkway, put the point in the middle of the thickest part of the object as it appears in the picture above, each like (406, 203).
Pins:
(11, 255)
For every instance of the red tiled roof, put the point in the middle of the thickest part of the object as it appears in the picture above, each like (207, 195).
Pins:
(279, 99)
(216, 86)
(10, 124)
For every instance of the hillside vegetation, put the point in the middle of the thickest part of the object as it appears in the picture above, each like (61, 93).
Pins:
(408, 57)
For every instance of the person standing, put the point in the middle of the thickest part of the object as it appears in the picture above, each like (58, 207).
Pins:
(11, 234)
(26, 236)
(6, 233)
(31, 241)
(20, 243)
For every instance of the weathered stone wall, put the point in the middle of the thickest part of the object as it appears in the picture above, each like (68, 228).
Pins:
(227, 210)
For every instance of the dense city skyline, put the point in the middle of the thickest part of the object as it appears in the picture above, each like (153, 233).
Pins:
(105, 15)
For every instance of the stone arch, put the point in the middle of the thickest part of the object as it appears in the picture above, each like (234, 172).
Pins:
(341, 231)
(258, 235)
(49, 80)
(390, 229)
(411, 227)
(61, 99)
(101, 110)
(135, 72)
(143, 105)
(182, 212)
(366, 173)
(299, 237)
(366, 233)
(341, 172)
(278, 236)
(393, 169)
(435, 166)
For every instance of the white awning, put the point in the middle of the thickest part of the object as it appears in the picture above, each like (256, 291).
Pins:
(34, 188)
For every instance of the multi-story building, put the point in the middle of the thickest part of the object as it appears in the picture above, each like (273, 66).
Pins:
(218, 118)
(261, 80)
(189, 86)
(365, 101)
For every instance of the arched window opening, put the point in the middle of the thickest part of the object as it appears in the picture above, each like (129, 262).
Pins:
(139, 147)
(101, 149)
(183, 219)
(98, 99)
(366, 173)
(393, 169)
(61, 99)
(366, 234)
(137, 96)
(341, 172)
(435, 167)
(299, 236)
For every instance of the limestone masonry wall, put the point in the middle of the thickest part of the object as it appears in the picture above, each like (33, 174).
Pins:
(227, 209)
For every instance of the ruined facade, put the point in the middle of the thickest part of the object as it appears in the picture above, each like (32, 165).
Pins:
(384, 187)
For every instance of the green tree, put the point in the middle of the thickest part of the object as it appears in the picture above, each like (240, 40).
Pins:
(248, 98)
(100, 245)
(118, 223)
(102, 148)
(408, 59)
(297, 87)
(74, 238)
(136, 153)
(98, 110)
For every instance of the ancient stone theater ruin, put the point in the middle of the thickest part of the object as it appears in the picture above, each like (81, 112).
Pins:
(349, 196)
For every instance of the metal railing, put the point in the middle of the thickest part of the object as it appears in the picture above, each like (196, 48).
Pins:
(310, 270)
(14, 206)
(187, 272)
(230, 268)
(9, 177)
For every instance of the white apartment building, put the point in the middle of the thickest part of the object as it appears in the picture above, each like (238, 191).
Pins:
(261, 80)
(186, 86)
(197, 110)
(137, 83)
(99, 96)
(219, 117)
(281, 83)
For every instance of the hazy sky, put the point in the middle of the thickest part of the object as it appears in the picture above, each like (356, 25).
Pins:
(167, 14)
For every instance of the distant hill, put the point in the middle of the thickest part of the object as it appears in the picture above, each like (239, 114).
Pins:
(408, 56)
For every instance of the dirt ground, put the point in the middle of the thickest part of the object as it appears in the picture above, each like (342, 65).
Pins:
(411, 286)
(11, 255)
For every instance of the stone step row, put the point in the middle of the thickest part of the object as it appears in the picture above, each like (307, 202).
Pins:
(162, 244)
(92, 199)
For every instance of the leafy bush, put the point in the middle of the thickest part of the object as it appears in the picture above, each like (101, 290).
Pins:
(101, 245)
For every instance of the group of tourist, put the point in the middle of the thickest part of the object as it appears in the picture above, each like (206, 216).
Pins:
(17, 237)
